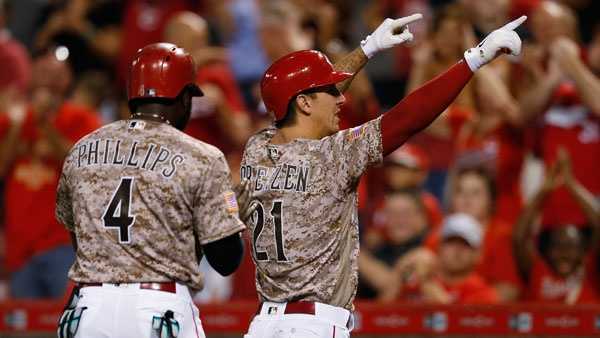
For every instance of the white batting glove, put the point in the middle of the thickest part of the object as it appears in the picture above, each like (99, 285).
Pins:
(502, 40)
(383, 37)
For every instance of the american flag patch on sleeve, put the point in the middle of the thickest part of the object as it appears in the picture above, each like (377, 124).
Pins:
(231, 202)
(356, 133)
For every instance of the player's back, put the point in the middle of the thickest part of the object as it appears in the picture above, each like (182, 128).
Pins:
(305, 229)
(137, 189)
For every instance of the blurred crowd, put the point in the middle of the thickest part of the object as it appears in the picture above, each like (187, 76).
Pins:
(497, 201)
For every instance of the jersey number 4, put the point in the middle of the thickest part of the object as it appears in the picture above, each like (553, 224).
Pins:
(118, 212)
(259, 224)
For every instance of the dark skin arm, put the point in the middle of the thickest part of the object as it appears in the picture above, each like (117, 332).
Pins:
(73, 241)
(225, 255)
(584, 198)
(523, 239)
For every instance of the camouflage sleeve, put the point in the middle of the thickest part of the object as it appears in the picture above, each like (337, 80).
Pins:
(64, 206)
(216, 209)
(356, 149)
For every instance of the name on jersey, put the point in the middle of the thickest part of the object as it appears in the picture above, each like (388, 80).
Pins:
(282, 177)
(138, 155)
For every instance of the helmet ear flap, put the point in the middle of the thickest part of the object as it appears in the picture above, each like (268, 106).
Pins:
(185, 99)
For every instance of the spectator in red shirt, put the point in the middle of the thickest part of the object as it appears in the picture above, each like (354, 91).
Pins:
(406, 227)
(35, 137)
(562, 268)
(453, 280)
(559, 90)
(220, 117)
(478, 125)
(490, 137)
(430, 57)
(472, 192)
(404, 169)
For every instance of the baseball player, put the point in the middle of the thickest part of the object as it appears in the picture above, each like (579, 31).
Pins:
(144, 201)
(304, 174)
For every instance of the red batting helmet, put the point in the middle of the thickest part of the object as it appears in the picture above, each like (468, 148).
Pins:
(161, 70)
(294, 73)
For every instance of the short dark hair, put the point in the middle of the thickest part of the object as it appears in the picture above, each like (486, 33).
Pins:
(486, 175)
(290, 114)
(412, 193)
(450, 11)
(135, 104)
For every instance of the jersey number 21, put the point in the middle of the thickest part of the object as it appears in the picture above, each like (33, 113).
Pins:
(259, 222)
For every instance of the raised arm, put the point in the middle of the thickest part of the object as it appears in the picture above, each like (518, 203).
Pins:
(533, 100)
(416, 111)
(494, 93)
(523, 239)
(584, 197)
(421, 107)
(381, 39)
(566, 52)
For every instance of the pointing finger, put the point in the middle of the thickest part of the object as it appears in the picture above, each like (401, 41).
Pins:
(406, 36)
(515, 23)
(406, 20)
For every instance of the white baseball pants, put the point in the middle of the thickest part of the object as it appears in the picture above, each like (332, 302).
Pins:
(327, 322)
(127, 311)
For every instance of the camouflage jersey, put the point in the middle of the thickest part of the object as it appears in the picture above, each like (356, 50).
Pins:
(141, 197)
(305, 230)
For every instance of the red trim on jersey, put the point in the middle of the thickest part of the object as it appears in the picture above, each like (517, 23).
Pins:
(416, 111)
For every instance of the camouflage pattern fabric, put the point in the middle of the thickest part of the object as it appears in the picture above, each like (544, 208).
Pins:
(305, 230)
(140, 197)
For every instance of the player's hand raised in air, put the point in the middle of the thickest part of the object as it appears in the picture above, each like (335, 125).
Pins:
(245, 205)
(502, 40)
(385, 36)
